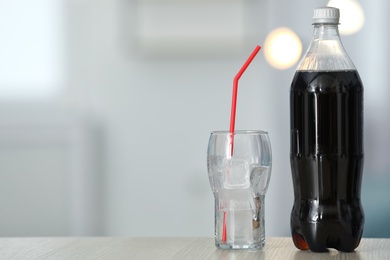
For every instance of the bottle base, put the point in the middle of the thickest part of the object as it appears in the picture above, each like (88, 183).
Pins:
(322, 241)
(300, 242)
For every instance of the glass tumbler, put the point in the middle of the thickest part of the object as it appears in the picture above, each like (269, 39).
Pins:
(239, 169)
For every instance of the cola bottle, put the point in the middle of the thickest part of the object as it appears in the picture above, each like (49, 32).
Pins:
(326, 105)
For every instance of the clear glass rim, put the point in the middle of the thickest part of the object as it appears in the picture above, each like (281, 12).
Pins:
(240, 132)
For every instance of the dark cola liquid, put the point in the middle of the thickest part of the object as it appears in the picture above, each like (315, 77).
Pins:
(327, 160)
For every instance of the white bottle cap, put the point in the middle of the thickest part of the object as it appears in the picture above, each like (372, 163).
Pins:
(326, 15)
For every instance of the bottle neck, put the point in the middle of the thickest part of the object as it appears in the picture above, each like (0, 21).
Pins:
(326, 32)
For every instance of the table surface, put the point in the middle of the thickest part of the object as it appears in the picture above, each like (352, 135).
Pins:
(171, 248)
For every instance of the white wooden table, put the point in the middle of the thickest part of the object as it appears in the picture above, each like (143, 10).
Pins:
(171, 248)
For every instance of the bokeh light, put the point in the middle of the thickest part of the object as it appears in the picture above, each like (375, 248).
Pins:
(282, 48)
(351, 15)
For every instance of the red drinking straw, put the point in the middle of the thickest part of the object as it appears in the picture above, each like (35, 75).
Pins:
(234, 95)
(233, 117)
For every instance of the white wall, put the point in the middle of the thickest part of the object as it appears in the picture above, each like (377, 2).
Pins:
(159, 113)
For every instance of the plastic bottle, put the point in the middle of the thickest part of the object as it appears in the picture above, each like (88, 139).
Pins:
(326, 105)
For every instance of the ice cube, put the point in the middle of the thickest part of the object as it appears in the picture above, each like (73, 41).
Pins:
(237, 199)
(239, 226)
(236, 174)
(259, 179)
(240, 208)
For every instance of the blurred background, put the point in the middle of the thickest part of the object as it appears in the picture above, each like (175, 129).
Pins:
(106, 108)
